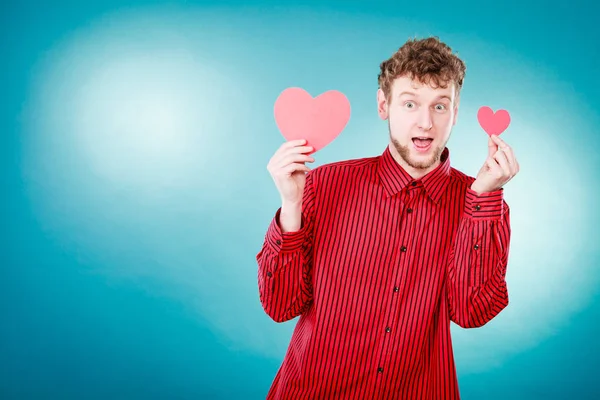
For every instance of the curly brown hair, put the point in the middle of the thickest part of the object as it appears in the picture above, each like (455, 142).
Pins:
(428, 61)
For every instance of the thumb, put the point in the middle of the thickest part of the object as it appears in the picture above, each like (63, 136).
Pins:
(492, 147)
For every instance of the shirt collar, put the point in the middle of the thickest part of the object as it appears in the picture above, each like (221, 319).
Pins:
(394, 178)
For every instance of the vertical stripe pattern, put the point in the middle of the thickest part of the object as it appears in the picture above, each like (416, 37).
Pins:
(381, 265)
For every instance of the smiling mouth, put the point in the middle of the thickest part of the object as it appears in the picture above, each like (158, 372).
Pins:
(422, 142)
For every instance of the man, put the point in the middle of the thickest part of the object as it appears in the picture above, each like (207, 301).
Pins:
(377, 255)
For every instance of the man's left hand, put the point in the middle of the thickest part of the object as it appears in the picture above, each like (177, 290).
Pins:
(499, 168)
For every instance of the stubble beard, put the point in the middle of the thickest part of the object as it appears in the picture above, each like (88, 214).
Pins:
(404, 153)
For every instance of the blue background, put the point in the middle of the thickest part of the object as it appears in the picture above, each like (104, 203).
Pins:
(135, 195)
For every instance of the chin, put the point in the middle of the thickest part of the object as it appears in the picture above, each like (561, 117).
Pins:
(422, 161)
(422, 158)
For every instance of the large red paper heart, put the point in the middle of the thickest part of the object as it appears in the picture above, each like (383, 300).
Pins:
(493, 123)
(319, 120)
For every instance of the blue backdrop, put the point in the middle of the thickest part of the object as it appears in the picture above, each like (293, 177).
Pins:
(135, 195)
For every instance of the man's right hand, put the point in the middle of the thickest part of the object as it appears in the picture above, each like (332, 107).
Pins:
(287, 169)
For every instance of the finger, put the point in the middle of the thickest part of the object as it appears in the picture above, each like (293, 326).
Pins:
(294, 158)
(301, 149)
(295, 150)
(492, 147)
(504, 146)
(286, 151)
(499, 141)
(293, 167)
(290, 144)
(293, 143)
(515, 168)
(501, 144)
(512, 161)
(501, 159)
(493, 167)
(510, 156)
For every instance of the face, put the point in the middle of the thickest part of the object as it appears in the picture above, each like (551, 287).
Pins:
(420, 120)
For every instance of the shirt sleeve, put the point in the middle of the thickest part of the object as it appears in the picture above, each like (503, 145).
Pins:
(476, 272)
(285, 263)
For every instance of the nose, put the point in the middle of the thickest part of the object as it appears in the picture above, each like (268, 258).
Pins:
(424, 121)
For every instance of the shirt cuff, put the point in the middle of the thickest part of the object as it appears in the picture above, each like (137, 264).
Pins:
(488, 205)
(288, 241)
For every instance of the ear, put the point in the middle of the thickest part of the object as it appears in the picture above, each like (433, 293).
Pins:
(382, 105)
(456, 110)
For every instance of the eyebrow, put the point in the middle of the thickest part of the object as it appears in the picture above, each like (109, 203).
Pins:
(437, 98)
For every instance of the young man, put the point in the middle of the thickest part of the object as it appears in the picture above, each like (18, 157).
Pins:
(377, 255)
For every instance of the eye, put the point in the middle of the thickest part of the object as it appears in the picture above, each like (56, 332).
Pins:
(409, 104)
(440, 107)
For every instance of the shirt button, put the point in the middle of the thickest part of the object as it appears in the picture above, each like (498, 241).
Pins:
(403, 249)
(478, 207)
(269, 274)
(278, 242)
(476, 247)
(414, 184)
(380, 370)
(396, 289)
(409, 210)
(388, 329)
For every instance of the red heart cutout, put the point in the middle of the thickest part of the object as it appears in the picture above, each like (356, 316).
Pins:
(493, 123)
(319, 120)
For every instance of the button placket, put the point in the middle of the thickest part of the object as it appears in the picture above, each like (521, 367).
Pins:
(410, 198)
(385, 345)
(407, 221)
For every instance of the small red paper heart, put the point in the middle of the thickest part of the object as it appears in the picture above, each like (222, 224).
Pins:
(319, 120)
(493, 123)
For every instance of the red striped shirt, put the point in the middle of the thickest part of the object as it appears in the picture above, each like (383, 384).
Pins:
(379, 267)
